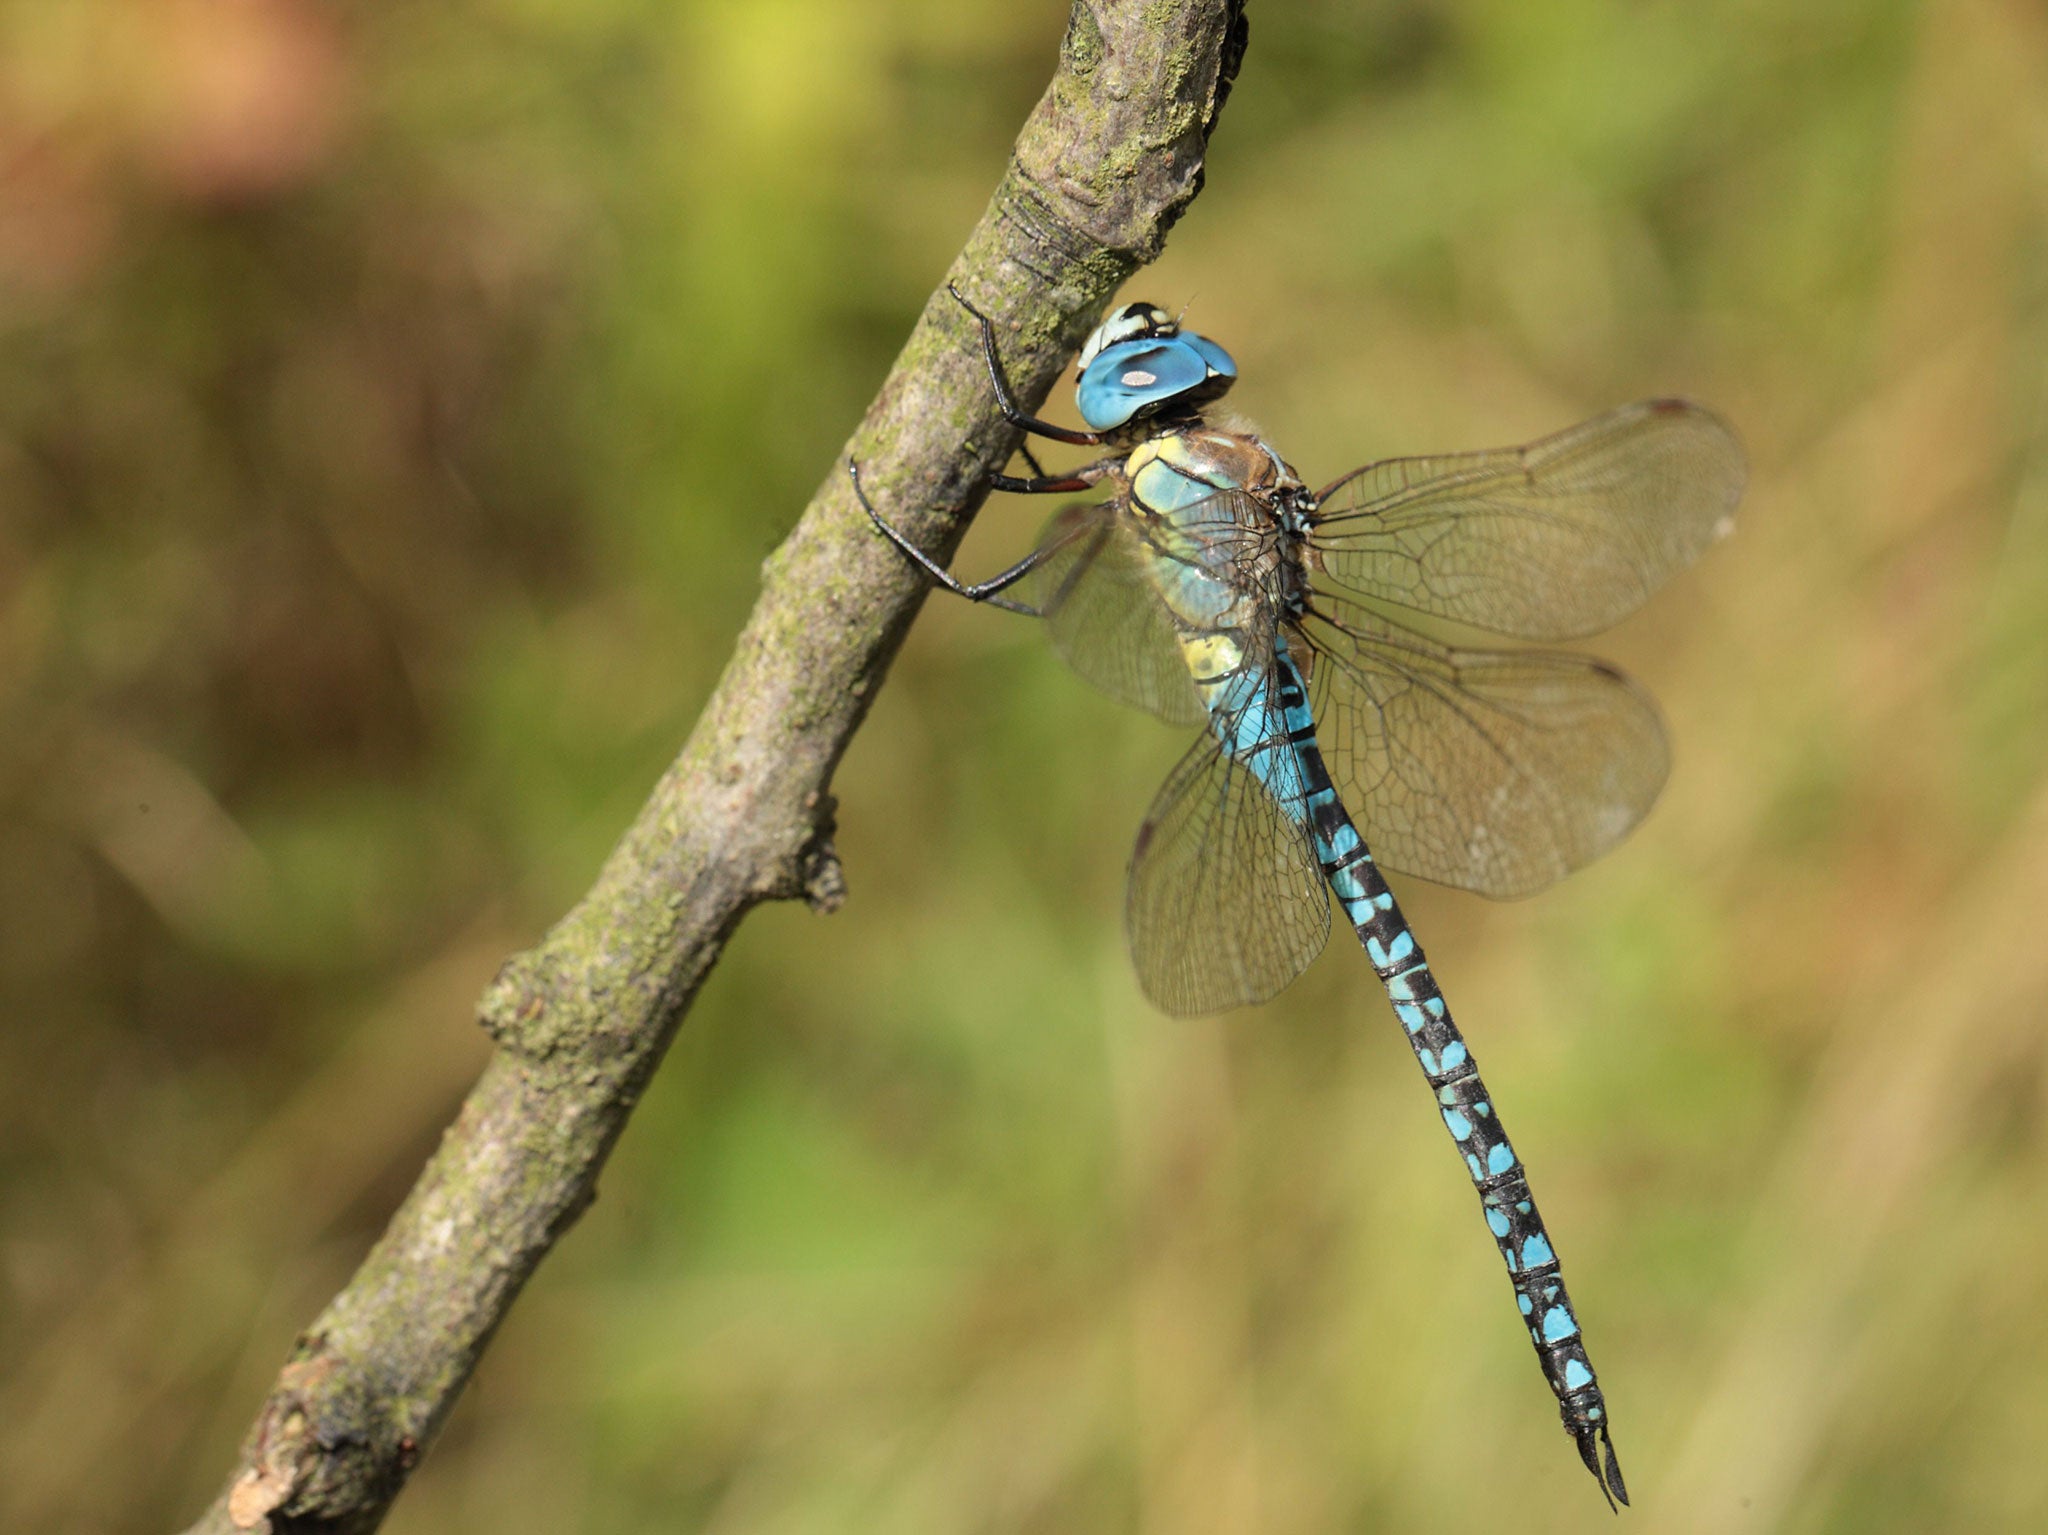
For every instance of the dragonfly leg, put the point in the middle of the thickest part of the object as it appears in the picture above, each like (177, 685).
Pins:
(1087, 477)
(998, 380)
(988, 591)
(1049, 484)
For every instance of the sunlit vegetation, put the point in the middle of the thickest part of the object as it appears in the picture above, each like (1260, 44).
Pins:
(396, 403)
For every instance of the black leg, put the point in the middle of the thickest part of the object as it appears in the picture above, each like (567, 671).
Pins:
(980, 591)
(1053, 484)
(1001, 384)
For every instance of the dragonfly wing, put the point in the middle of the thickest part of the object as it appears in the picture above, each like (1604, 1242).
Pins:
(1552, 541)
(1226, 902)
(1106, 617)
(1495, 771)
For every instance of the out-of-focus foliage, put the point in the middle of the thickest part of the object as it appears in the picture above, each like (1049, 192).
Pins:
(395, 404)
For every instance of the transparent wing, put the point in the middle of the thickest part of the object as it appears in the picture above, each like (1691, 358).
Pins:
(1226, 902)
(1494, 771)
(1106, 619)
(1552, 541)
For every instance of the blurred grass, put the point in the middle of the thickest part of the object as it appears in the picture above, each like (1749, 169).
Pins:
(396, 405)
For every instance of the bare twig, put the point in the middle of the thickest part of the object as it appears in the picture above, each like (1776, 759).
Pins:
(1109, 159)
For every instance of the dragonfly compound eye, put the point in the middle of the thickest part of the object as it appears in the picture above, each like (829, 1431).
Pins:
(1127, 380)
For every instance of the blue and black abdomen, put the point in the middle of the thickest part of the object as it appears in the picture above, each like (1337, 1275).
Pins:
(1265, 720)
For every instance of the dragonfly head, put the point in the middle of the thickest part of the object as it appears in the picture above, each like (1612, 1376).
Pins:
(1139, 363)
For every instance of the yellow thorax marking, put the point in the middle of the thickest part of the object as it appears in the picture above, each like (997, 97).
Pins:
(1211, 657)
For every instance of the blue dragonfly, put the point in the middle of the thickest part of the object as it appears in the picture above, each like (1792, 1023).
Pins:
(1213, 587)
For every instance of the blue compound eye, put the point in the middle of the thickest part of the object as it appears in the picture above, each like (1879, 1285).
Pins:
(1125, 380)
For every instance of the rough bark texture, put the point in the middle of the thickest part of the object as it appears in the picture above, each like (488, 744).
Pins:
(1109, 159)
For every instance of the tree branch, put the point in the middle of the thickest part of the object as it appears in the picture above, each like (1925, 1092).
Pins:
(1109, 159)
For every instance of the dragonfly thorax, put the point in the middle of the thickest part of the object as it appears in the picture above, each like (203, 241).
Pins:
(1230, 517)
(1139, 365)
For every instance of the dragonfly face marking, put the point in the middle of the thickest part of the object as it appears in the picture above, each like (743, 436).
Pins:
(1213, 587)
(1132, 322)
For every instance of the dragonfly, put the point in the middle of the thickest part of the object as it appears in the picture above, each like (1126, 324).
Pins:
(1304, 630)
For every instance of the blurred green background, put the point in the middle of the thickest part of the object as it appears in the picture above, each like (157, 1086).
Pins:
(396, 403)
